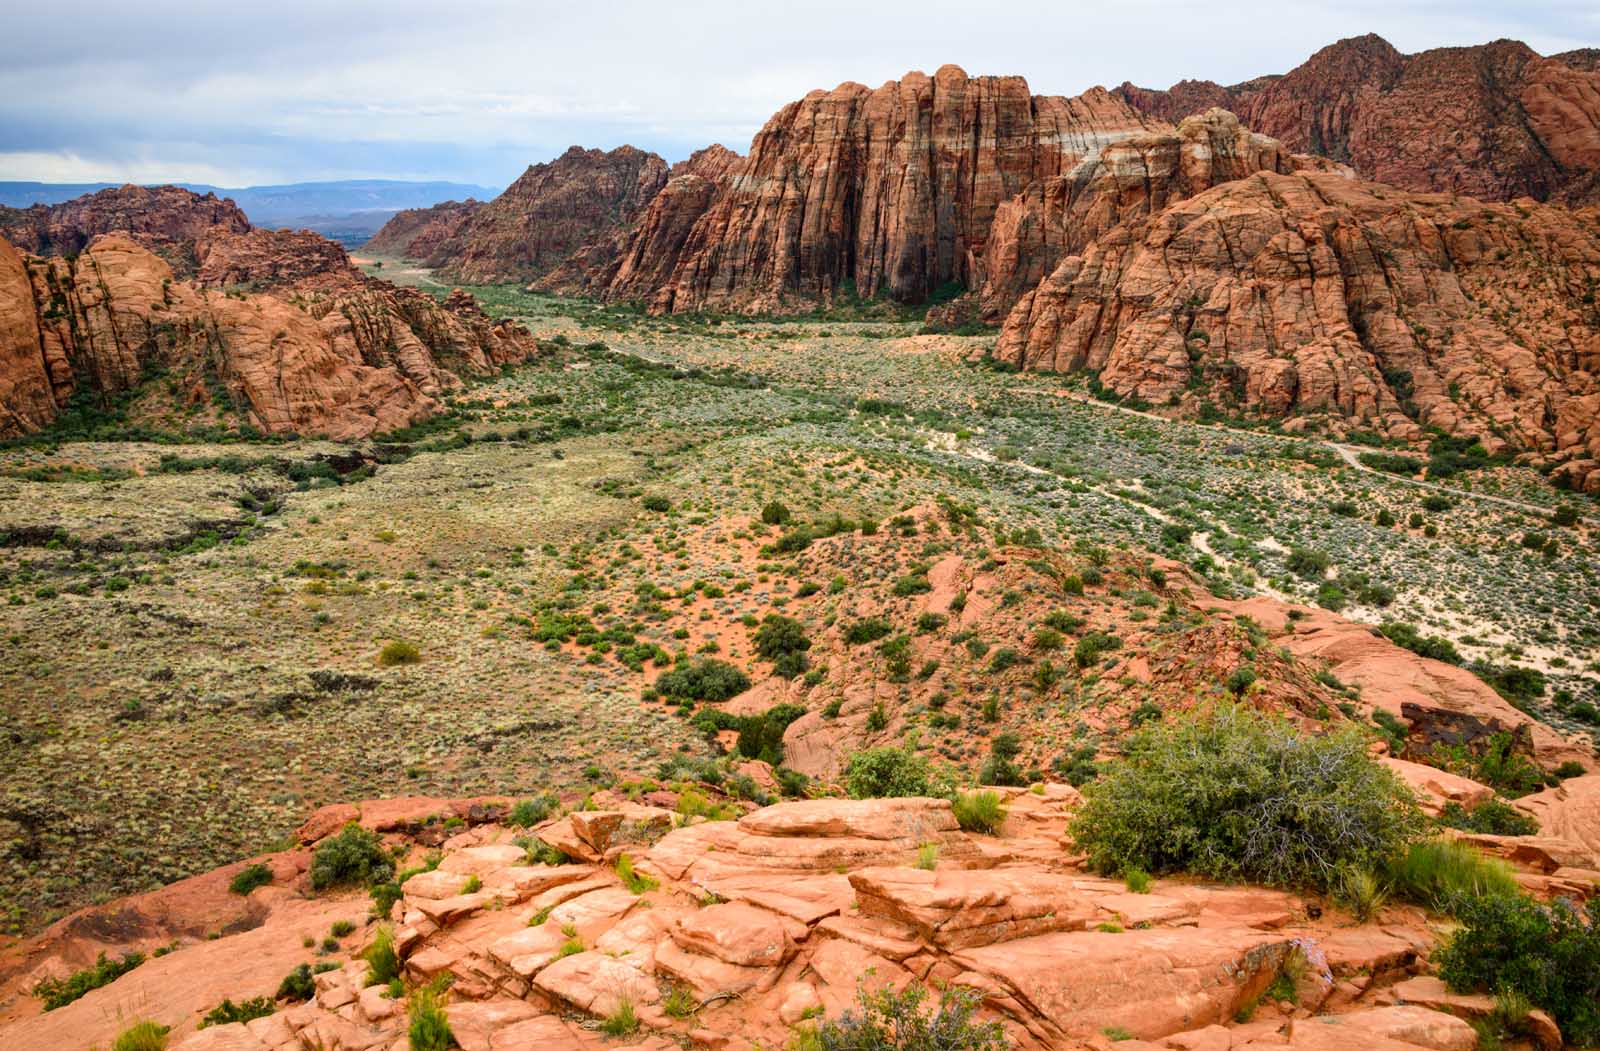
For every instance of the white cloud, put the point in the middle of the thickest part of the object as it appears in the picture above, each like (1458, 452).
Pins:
(304, 89)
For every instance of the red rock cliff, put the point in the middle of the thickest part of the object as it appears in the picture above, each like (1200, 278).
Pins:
(1496, 121)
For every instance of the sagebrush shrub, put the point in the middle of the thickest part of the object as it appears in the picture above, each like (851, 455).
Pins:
(889, 1021)
(1549, 954)
(1236, 794)
(877, 773)
(355, 857)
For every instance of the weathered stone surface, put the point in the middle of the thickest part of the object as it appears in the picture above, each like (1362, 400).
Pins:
(736, 933)
(550, 212)
(168, 220)
(1409, 1024)
(962, 909)
(1315, 293)
(1152, 983)
(1434, 787)
(1495, 121)
(880, 192)
(419, 233)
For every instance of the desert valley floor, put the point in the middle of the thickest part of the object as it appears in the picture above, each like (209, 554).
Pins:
(192, 633)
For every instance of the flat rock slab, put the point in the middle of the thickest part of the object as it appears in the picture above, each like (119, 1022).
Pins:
(737, 933)
(1408, 1024)
(597, 983)
(957, 909)
(474, 1024)
(1153, 983)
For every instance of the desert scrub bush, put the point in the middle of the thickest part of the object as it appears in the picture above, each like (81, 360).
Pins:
(354, 857)
(774, 513)
(884, 1020)
(979, 812)
(529, 812)
(249, 878)
(1436, 647)
(228, 1012)
(876, 773)
(1549, 954)
(398, 652)
(622, 1021)
(704, 679)
(1440, 874)
(298, 985)
(783, 641)
(429, 1028)
(1233, 793)
(869, 630)
(1493, 817)
(383, 962)
(1359, 890)
(1090, 648)
(142, 1036)
(58, 992)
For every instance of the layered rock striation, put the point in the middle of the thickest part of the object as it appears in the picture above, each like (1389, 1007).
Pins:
(1315, 295)
(1496, 121)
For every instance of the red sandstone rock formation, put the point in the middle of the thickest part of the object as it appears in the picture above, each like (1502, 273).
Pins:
(165, 219)
(1126, 180)
(876, 192)
(1495, 121)
(337, 354)
(1318, 294)
(265, 258)
(551, 211)
(419, 233)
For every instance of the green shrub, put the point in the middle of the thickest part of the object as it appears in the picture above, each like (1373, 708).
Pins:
(705, 679)
(530, 812)
(979, 812)
(1137, 880)
(58, 992)
(249, 878)
(877, 773)
(245, 1011)
(354, 857)
(774, 513)
(429, 1026)
(1439, 874)
(1233, 793)
(889, 1021)
(783, 641)
(1308, 564)
(383, 962)
(1493, 817)
(656, 503)
(297, 985)
(142, 1036)
(1000, 768)
(869, 630)
(636, 881)
(1360, 891)
(1092, 646)
(1549, 954)
(399, 652)
(1435, 646)
(623, 1021)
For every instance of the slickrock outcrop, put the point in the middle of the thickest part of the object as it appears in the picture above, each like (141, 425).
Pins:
(329, 352)
(885, 191)
(1125, 181)
(165, 219)
(1314, 293)
(1438, 702)
(1059, 957)
(581, 198)
(1495, 121)
(418, 233)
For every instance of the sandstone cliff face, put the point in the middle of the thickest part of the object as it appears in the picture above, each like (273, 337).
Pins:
(419, 233)
(341, 355)
(884, 192)
(1495, 121)
(1127, 180)
(165, 219)
(578, 199)
(265, 258)
(1316, 293)
(638, 260)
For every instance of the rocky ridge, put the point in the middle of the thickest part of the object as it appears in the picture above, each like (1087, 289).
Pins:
(168, 220)
(752, 926)
(1496, 121)
(272, 328)
(419, 233)
(1313, 294)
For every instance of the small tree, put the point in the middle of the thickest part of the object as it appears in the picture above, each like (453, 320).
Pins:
(354, 857)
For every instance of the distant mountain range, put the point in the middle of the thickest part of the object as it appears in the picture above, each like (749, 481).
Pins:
(349, 211)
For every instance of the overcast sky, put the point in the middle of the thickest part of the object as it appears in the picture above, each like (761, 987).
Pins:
(243, 93)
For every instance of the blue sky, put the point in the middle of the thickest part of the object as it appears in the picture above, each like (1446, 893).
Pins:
(246, 93)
